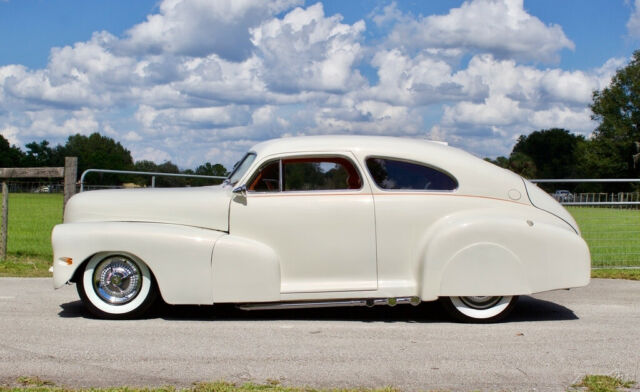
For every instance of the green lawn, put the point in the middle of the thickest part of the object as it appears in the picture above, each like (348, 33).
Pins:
(613, 236)
(31, 219)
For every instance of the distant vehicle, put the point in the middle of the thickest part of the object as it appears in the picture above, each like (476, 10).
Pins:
(43, 189)
(325, 221)
(563, 196)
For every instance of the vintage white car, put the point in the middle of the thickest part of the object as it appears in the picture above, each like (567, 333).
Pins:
(325, 221)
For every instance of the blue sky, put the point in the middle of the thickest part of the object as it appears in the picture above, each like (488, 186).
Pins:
(193, 80)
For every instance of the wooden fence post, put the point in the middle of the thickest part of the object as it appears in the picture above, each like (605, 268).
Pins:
(69, 172)
(4, 222)
(70, 176)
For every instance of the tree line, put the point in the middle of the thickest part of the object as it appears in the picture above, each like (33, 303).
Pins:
(612, 151)
(101, 152)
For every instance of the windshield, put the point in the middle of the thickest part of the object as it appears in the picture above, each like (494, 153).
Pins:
(241, 168)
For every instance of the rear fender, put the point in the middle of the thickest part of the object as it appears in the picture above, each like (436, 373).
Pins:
(503, 251)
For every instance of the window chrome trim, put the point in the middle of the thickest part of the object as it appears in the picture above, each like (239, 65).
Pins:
(310, 156)
(281, 177)
(235, 169)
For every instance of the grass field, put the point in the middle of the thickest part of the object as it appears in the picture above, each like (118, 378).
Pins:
(613, 236)
(31, 219)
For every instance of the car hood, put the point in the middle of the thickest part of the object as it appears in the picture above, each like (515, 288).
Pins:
(206, 207)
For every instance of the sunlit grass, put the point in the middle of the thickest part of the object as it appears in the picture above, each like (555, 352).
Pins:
(600, 383)
(613, 235)
(31, 219)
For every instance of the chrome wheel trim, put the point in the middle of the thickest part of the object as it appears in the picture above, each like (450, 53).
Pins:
(92, 296)
(480, 307)
(117, 280)
(480, 302)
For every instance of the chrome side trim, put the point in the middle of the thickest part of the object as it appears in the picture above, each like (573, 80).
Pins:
(330, 303)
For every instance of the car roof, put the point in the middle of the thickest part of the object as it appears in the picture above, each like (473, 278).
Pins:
(379, 144)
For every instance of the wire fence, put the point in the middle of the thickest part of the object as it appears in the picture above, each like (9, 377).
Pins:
(35, 207)
(612, 233)
(609, 222)
(41, 186)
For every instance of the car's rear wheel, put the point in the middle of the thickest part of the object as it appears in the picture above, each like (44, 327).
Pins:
(479, 309)
(116, 286)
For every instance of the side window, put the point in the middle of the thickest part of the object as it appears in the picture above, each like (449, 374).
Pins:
(396, 174)
(323, 173)
(267, 179)
(306, 174)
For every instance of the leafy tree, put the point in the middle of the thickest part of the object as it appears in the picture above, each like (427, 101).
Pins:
(499, 161)
(552, 152)
(10, 156)
(208, 169)
(523, 164)
(40, 154)
(518, 163)
(169, 167)
(212, 170)
(98, 152)
(614, 150)
(143, 166)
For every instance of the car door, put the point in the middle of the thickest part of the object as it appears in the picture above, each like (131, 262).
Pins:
(316, 212)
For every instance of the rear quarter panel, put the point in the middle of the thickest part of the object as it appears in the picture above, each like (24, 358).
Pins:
(502, 251)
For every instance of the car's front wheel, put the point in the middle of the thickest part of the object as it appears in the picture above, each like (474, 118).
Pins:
(479, 309)
(116, 286)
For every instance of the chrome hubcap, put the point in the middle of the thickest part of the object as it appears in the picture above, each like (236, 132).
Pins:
(480, 302)
(117, 280)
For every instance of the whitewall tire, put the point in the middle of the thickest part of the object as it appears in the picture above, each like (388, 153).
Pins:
(116, 286)
(479, 309)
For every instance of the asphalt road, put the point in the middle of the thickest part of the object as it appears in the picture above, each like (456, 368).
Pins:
(550, 341)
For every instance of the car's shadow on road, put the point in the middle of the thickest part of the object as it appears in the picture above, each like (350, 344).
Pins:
(527, 309)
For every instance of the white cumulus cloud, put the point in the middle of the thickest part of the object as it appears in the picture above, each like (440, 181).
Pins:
(204, 80)
(633, 24)
(308, 51)
(201, 27)
(500, 27)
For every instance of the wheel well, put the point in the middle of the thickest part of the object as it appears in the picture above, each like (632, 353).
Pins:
(80, 269)
(78, 272)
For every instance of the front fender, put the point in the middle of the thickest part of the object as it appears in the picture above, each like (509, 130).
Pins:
(179, 256)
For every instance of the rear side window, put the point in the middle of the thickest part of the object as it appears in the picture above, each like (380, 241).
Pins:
(396, 174)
